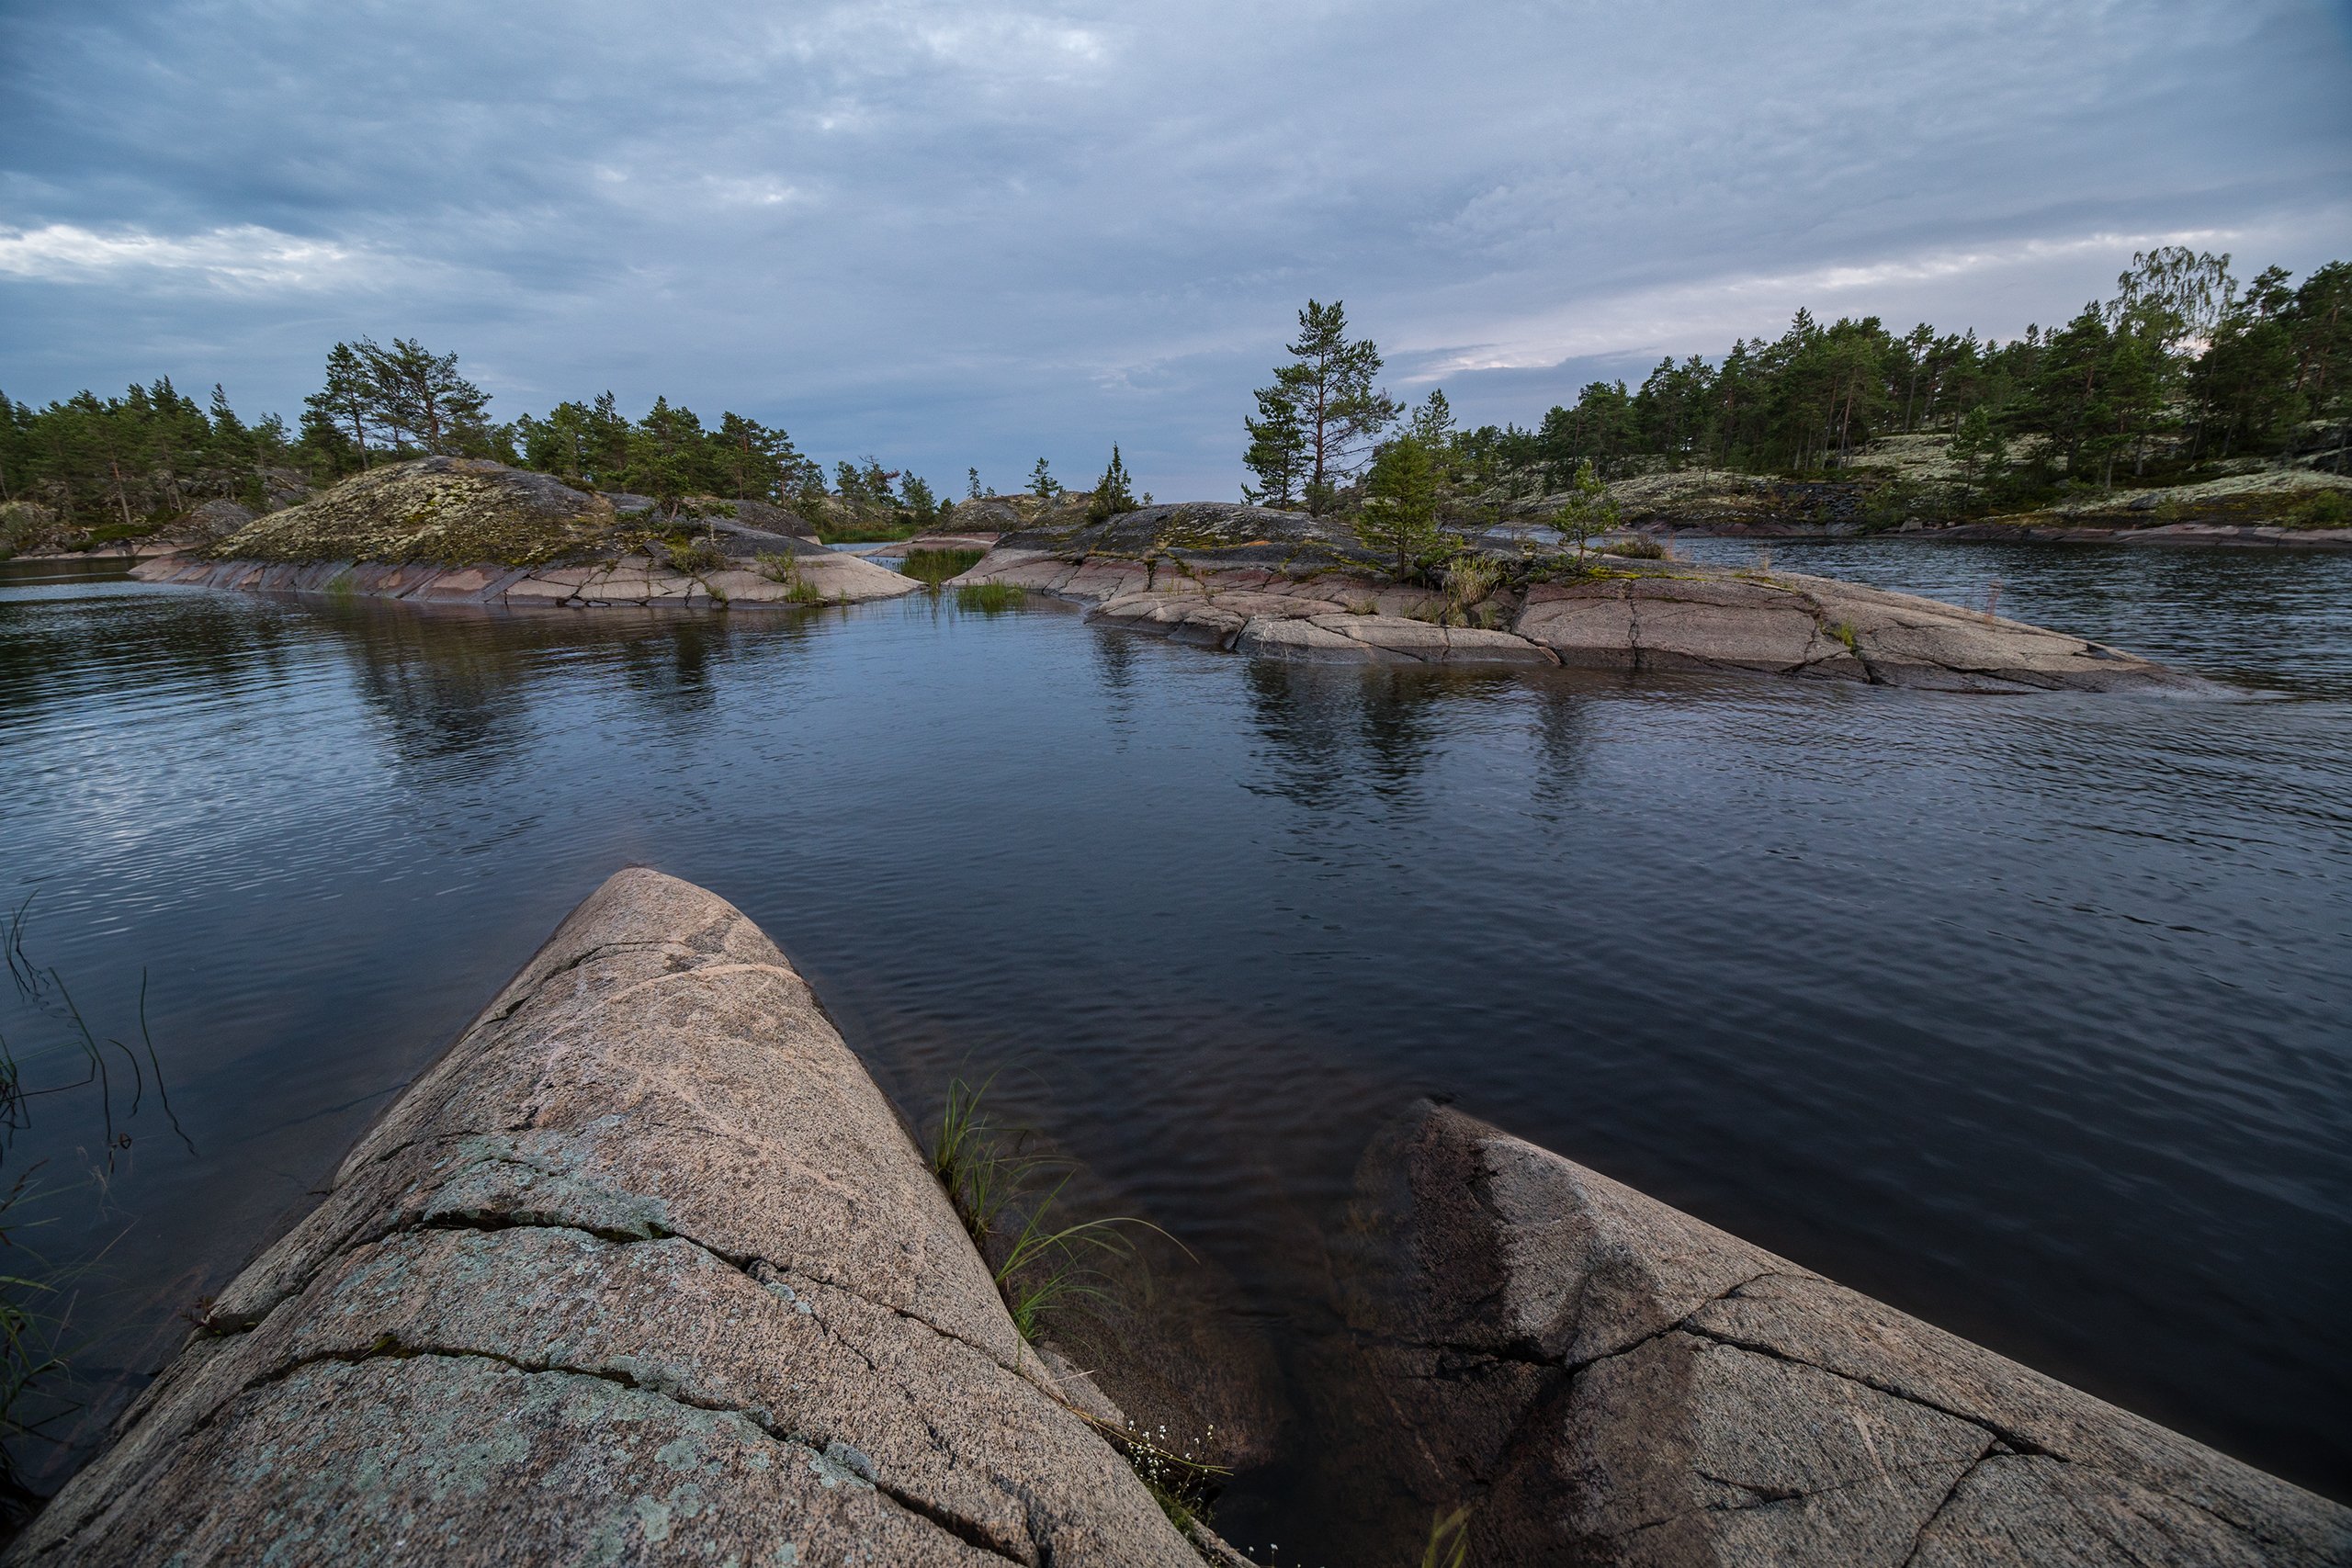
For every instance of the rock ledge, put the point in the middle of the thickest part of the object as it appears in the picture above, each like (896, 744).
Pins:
(644, 1269)
(1608, 1380)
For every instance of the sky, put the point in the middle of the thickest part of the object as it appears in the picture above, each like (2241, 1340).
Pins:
(968, 235)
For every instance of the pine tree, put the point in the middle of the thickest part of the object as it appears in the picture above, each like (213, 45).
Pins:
(1277, 450)
(1111, 495)
(916, 500)
(415, 392)
(1589, 510)
(755, 459)
(1979, 451)
(1042, 484)
(972, 484)
(1400, 516)
(342, 408)
(663, 454)
(1328, 383)
(1433, 422)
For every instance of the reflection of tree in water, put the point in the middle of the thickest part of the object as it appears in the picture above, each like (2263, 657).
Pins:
(1114, 662)
(460, 681)
(1338, 732)
(1563, 744)
(1398, 724)
(448, 684)
(671, 671)
(207, 639)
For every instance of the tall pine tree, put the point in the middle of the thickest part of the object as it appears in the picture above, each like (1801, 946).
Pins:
(1339, 412)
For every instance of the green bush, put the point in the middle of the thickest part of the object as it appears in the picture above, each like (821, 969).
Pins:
(697, 558)
(2328, 509)
(1641, 546)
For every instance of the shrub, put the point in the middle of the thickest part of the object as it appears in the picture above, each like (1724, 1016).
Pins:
(1641, 546)
(696, 558)
(2328, 509)
(1468, 578)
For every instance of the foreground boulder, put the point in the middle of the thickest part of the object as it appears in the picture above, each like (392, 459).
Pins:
(1281, 584)
(644, 1269)
(1604, 1380)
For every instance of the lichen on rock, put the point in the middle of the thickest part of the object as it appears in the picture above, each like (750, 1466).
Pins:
(448, 511)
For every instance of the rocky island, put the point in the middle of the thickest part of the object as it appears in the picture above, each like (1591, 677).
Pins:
(473, 531)
(646, 1268)
(1284, 584)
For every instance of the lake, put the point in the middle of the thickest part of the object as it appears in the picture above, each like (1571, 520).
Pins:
(2030, 1015)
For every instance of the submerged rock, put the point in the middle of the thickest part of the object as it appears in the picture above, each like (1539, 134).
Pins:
(1604, 1380)
(644, 1269)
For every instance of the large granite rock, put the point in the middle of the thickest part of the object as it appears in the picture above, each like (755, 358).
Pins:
(1281, 584)
(452, 511)
(644, 1269)
(459, 529)
(1604, 1380)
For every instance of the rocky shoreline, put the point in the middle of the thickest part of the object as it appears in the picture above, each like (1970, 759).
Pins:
(1271, 583)
(646, 1268)
(1603, 1380)
(820, 577)
(1282, 585)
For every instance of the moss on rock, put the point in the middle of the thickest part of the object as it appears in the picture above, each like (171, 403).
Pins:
(448, 511)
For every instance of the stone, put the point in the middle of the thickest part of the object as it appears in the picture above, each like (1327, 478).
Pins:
(645, 1269)
(1310, 642)
(1584, 632)
(1605, 1379)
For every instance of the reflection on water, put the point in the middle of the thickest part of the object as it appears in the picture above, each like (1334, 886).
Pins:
(2027, 1014)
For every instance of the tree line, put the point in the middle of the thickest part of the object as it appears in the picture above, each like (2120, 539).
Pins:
(2184, 368)
(113, 466)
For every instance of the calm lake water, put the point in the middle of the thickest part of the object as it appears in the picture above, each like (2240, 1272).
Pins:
(2032, 1016)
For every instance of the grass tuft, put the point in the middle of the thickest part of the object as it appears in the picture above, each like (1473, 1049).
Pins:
(988, 598)
(937, 567)
(1044, 1267)
(1449, 1544)
(785, 569)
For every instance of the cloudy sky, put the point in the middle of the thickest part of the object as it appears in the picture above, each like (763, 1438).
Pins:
(968, 232)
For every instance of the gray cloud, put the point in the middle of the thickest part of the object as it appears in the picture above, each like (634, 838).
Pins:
(960, 233)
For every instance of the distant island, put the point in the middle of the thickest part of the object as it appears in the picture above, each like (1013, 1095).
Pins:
(1271, 582)
(2191, 400)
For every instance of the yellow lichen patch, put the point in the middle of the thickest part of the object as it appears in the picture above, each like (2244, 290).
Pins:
(446, 510)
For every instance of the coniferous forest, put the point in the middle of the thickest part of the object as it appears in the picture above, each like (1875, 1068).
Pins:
(2186, 372)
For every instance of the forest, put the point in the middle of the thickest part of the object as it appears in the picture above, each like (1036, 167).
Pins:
(105, 468)
(2186, 371)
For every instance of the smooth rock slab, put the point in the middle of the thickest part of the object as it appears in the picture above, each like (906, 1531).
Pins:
(1604, 1380)
(645, 1269)
(1674, 617)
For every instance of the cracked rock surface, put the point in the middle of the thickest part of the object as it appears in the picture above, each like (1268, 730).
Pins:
(1279, 585)
(1605, 1379)
(644, 1269)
